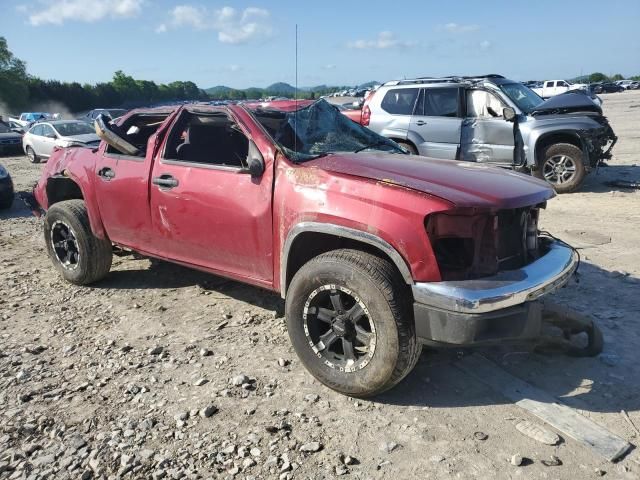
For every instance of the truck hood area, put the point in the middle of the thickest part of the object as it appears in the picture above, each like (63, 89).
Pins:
(567, 103)
(465, 184)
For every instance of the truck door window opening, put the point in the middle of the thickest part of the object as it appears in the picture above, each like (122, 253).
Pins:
(212, 139)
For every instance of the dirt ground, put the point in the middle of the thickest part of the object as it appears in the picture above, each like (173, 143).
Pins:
(162, 372)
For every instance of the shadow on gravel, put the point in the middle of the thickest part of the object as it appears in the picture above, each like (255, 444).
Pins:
(165, 275)
(607, 383)
(17, 210)
(596, 182)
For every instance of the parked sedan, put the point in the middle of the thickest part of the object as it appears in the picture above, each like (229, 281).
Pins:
(607, 87)
(6, 188)
(40, 141)
(10, 141)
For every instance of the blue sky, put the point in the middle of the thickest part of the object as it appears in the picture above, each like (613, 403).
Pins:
(244, 44)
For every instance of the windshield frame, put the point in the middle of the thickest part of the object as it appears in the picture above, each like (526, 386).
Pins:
(301, 157)
(523, 108)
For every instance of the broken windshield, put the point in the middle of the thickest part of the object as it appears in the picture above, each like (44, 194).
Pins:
(525, 98)
(320, 129)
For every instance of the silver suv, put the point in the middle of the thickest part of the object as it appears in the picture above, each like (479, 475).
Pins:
(483, 119)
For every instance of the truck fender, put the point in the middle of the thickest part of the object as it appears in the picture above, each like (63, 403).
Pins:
(340, 231)
(88, 197)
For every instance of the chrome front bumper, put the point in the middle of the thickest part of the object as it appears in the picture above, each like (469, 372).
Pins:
(504, 290)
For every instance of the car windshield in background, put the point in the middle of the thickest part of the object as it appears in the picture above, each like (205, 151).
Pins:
(69, 129)
(318, 130)
(525, 98)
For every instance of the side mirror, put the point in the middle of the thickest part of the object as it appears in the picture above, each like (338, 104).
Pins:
(255, 160)
(509, 114)
(51, 135)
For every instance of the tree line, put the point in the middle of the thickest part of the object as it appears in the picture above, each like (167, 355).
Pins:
(20, 91)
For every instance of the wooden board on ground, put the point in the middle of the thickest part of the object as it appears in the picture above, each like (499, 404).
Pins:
(545, 407)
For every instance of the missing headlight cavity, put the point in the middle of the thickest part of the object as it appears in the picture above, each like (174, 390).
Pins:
(454, 253)
(475, 245)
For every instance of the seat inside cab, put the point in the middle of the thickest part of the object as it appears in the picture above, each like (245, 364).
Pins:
(207, 138)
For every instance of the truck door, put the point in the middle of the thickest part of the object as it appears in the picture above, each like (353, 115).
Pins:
(122, 183)
(436, 122)
(206, 208)
(486, 136)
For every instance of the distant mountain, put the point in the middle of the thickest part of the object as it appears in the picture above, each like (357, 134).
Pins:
(369, 84)
(281, 88)
(278, 89)
(218, 90)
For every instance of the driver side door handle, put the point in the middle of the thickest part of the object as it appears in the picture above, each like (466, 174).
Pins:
(165, 181)
(420, 122)
(106, 173)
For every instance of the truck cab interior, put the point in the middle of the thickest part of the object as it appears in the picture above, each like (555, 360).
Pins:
(211, 138)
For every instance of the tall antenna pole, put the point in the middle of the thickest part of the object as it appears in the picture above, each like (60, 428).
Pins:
(295, 96)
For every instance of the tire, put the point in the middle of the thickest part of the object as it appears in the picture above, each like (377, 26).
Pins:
(80, 257)
(31, 155)
(562, 154)
(374, 285)
(409, 146)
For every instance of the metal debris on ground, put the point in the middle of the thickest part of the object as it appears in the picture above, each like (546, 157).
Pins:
(538, 433)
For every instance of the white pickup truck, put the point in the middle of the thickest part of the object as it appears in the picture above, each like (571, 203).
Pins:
(551, 88)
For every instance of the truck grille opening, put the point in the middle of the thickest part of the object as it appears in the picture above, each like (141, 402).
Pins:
(468, 246)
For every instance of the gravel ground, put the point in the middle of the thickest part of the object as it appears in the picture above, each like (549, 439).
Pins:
(162, 372)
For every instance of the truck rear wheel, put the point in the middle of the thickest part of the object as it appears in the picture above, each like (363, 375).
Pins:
(562, 167)
(349, 321)
(76, 253)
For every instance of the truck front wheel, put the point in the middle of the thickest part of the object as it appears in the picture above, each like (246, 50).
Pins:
(76, 253)
(349, 321)
(562, 167)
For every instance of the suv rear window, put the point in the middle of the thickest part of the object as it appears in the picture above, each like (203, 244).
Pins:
(439, 102)
(399, 101)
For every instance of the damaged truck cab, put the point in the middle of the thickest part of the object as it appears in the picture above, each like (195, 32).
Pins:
(375, 252)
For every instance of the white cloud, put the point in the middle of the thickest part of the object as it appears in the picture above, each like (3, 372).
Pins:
(384, 40)
(330, 66)
(233, 26)
(485, 45)
(58, 11)
(459, 28)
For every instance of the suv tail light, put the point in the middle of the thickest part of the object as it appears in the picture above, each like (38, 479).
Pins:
(366, 116)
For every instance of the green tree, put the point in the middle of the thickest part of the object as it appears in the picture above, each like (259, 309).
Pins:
(14, 91)
(598, 77)
(617, 77)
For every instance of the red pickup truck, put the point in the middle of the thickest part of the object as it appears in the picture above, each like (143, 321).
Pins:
(376, 252)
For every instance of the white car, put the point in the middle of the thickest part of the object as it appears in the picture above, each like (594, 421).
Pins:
(43, 137)
(626, 84)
